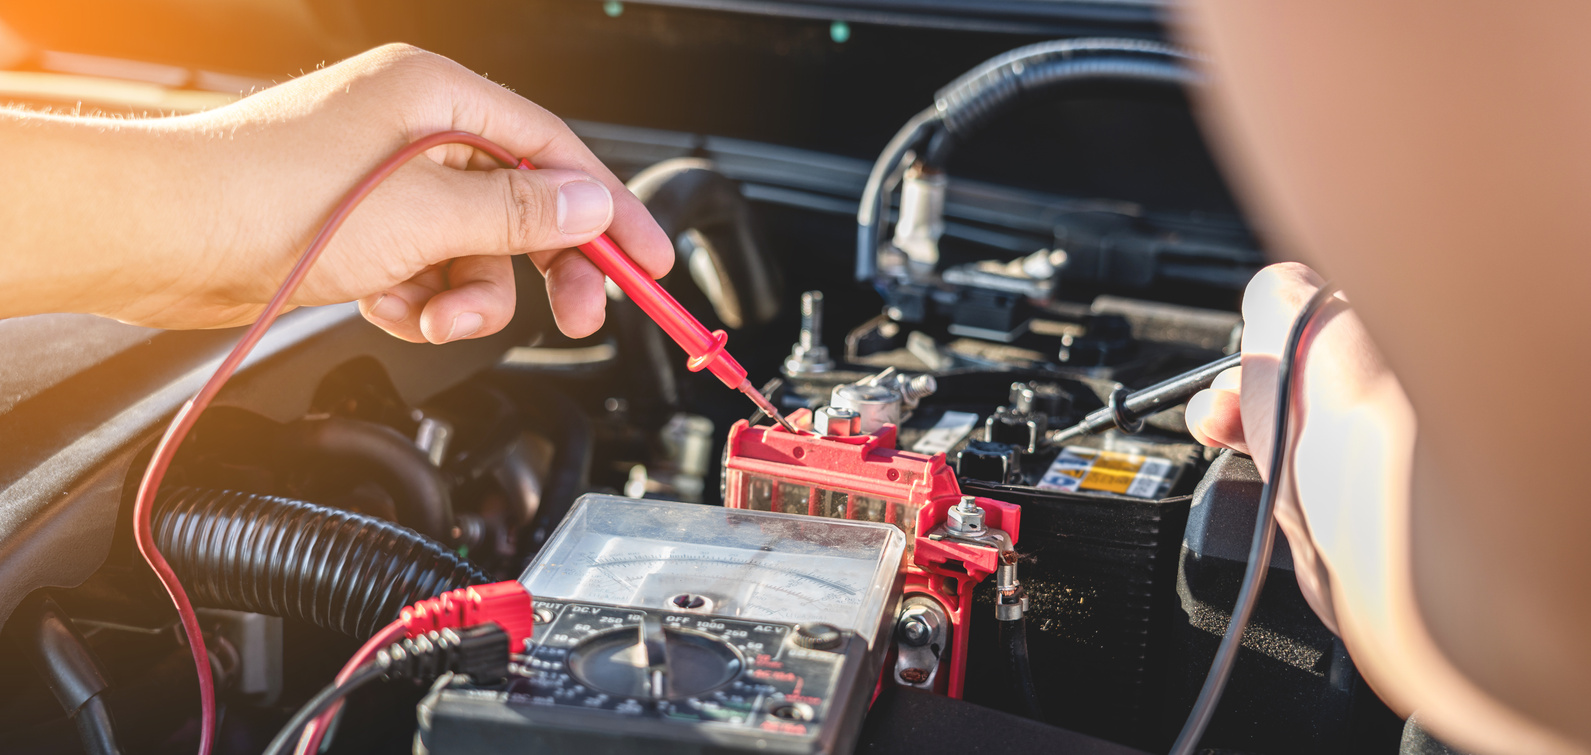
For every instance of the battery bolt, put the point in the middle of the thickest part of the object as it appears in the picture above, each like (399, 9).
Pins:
(918, 626)
(809, 355)
(836, 422)
(966, 517)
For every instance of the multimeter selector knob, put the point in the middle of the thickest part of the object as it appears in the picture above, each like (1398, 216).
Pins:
(818, 636)
(616, 663)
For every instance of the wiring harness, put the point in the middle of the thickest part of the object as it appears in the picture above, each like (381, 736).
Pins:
(474, 632)
(335, 569)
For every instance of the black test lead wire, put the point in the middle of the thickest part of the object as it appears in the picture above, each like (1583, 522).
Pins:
(1259, 559)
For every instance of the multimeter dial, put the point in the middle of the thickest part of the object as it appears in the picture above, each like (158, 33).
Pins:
(617, 663)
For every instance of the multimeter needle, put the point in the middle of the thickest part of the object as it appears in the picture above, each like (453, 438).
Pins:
(766, 406)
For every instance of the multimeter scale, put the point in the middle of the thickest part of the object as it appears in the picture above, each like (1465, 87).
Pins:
(681, 628)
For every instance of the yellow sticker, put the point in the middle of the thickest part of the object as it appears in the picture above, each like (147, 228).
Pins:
(1079, 468)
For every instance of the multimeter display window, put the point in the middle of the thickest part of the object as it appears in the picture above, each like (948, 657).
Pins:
(753, 565)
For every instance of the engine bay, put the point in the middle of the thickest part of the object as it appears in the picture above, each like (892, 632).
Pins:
(928, 563)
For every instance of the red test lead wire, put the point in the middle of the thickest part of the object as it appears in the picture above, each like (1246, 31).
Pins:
(706, 351)
(144, 504)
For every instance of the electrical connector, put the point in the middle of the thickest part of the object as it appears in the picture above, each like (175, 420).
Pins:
(506, 604)
(1011, 601)
(480, 652)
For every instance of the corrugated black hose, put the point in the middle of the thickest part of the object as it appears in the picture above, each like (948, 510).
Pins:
(332, 568)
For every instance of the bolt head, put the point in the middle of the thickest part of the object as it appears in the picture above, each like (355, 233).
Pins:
(804, 361)
(915, 631)
(835, 422)
(1022, 396)
(966, 517)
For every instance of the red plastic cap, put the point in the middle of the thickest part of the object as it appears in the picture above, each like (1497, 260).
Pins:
(506, 604)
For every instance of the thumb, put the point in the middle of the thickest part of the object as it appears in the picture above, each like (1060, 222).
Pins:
(511, 211)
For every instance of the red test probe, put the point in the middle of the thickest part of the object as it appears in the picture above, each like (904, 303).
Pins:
(706, 349)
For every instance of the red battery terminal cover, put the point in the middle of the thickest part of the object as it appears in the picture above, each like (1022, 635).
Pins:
(865, 477)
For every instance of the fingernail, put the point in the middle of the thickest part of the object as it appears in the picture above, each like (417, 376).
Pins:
(583, 207)
(389, 308)
(464, 326)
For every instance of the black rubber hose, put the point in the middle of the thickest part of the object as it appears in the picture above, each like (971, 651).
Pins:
(71, 670)
(978, 95)
(1014, 639)
(975, 97)
(332, 568)
(573, 436)
(689, 193)
(417, 487)
(870, 211)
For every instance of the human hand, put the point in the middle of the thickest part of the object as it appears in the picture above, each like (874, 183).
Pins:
(1339, 375)
(427, 254)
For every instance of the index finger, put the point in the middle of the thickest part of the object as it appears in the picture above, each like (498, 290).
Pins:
(1271, 302)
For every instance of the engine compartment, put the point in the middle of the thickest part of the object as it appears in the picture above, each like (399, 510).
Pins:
(1084, 243)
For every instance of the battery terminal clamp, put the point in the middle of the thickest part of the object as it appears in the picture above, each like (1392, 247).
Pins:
(830, 467)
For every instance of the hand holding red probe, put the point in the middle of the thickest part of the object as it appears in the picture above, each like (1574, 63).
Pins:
(249, 186)
(192, 221)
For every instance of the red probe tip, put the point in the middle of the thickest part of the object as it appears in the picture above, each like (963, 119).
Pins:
(766, 406)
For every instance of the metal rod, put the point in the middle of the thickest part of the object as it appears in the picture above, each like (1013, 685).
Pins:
(766, 406)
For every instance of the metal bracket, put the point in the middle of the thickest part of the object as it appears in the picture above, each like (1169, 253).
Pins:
(922, 634)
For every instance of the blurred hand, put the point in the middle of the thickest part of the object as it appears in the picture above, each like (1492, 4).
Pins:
(427, 254)
(1338, 372)
(1240, 404)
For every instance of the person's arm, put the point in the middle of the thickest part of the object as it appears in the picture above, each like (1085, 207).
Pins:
(194, 221)
(1434, 161)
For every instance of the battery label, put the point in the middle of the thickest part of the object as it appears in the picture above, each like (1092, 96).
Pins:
(946, 433)
(1079, 468)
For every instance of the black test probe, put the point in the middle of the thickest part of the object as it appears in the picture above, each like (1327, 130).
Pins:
(1126, 411)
